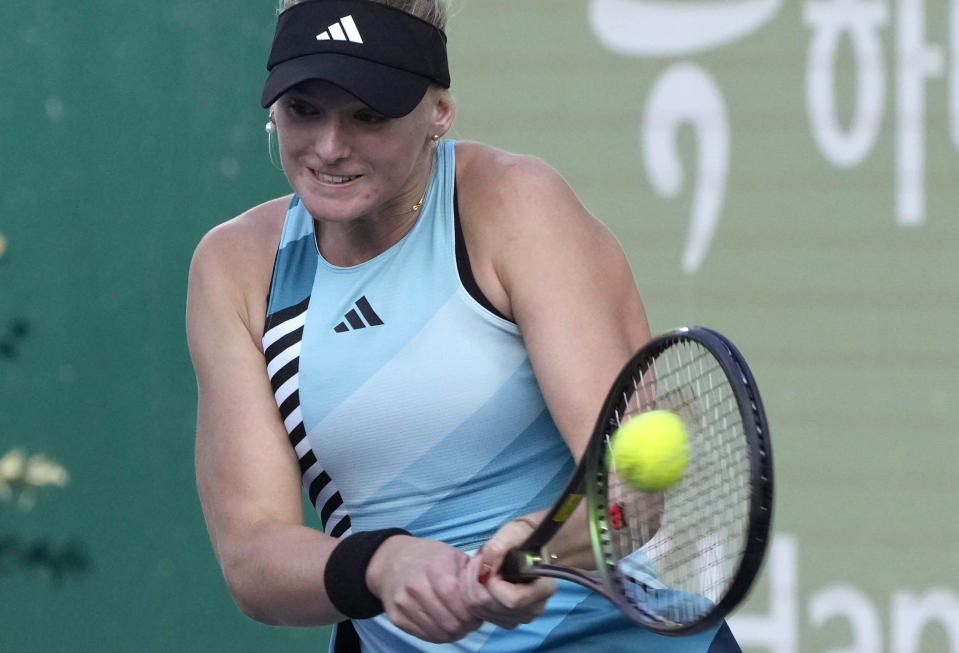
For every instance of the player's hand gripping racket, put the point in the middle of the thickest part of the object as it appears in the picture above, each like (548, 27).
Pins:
(679, 560)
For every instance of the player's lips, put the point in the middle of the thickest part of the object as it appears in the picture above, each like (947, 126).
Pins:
(333, 179)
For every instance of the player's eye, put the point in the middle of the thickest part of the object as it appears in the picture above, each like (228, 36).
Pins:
(300, 108)
(370, 117)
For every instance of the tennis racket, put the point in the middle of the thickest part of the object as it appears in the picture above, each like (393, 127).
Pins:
(676, 561)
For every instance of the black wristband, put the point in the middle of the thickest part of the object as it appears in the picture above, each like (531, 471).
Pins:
(345, 574)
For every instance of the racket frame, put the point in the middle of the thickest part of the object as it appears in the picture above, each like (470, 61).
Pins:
(589, 481)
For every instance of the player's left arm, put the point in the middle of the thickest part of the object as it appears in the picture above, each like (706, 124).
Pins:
(559, 273)
(574, 298)
(546, 263)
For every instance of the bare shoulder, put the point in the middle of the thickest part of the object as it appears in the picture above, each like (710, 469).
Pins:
(518, 196)
(233, 262)
(252, 233)
(497, 177)
(523, 222)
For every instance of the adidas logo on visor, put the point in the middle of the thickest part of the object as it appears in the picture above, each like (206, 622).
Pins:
(342, 30)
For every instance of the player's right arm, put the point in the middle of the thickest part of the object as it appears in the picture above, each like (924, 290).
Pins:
(247, 473)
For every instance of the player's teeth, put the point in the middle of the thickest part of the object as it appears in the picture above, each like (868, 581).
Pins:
(333, 179)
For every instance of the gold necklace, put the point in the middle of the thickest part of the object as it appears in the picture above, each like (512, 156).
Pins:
(429, 178)
(416, 207)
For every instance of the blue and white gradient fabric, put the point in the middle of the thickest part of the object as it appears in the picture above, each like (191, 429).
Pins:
(410, 405)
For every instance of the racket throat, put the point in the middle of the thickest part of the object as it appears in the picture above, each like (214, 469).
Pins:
(518, 566)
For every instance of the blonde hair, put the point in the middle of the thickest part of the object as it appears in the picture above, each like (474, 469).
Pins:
(432, 11)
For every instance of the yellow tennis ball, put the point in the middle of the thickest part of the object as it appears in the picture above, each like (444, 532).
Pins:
(650, 451)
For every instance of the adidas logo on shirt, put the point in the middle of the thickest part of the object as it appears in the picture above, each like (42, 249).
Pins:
(342, 30)
(354, 321)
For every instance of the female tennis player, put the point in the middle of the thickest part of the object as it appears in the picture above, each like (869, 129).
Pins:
(418, 338)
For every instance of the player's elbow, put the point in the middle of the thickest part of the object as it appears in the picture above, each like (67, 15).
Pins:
(247, 591)
(252, 606)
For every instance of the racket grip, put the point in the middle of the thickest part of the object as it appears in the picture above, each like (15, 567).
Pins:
(514, 563)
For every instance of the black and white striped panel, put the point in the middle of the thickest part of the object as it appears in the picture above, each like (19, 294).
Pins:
(281, 347)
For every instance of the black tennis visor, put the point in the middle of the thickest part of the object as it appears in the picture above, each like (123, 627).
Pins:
(383, 56)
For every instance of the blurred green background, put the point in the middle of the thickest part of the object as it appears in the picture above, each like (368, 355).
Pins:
(801, 129)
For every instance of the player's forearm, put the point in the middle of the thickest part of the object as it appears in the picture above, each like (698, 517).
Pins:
(275, 574)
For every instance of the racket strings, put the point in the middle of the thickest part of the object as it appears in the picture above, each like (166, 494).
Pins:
(677, 551)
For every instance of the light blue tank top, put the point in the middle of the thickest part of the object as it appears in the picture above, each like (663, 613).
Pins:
(411, 405)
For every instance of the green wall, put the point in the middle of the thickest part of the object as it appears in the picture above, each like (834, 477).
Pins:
(129, 129)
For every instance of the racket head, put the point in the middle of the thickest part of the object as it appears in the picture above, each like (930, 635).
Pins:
(679, 561)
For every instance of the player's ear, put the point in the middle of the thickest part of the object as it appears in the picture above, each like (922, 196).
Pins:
(443, 110)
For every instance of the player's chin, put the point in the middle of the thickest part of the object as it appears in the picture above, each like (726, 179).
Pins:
(328, 209)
